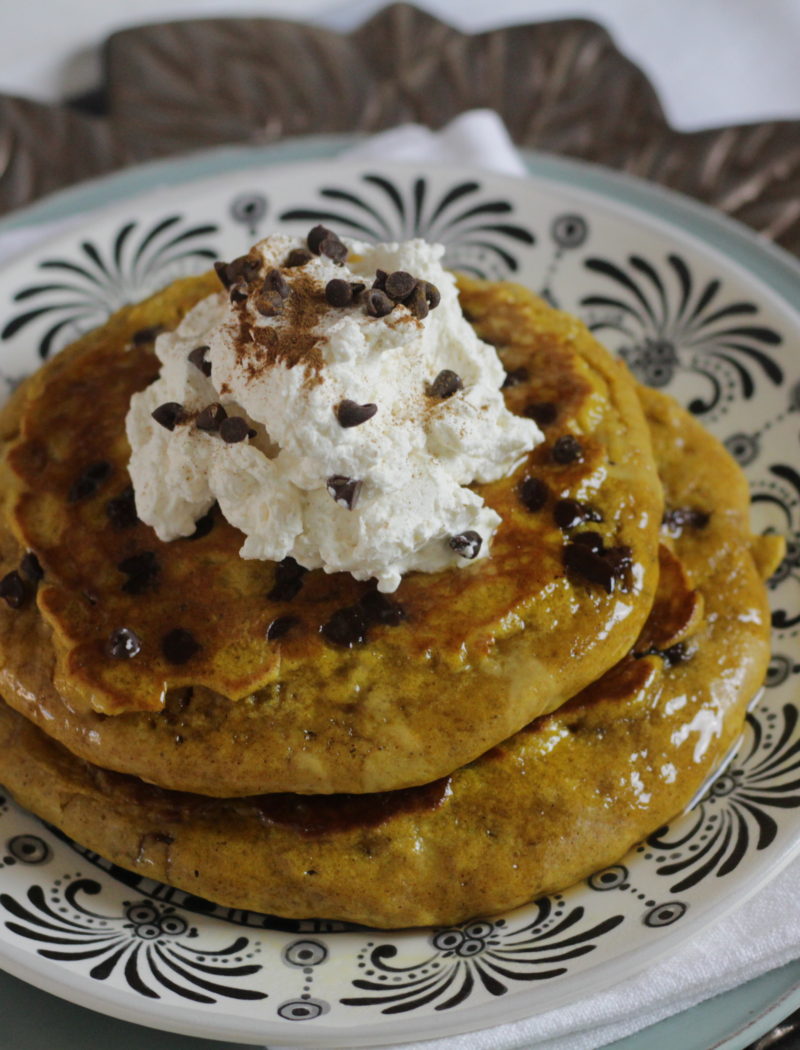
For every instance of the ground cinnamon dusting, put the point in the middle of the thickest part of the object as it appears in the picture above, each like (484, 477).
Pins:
(291, 342)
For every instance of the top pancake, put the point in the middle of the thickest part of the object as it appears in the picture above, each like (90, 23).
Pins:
(477, 654)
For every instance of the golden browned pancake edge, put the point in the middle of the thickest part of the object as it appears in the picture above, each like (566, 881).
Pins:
(481, 651)
(562, 798)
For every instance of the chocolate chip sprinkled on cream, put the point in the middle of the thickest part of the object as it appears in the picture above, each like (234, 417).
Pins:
(338, 292)
(533, 493)
(121, 510)
(417, 303)
(399, 285)
(445, 384)
(467, 544)
(377, 303)
(13, 590)
(89, 481)
(344, 490)
(123, 644)
(198, 359)
(298, 257)
(323, 241)
(210, 417)
(567, 449)
(179, 646)
(274, 281)
(234, 429)
(281, 626)
(29, 566)
(169, 414)
(432, 295)
(351, 414)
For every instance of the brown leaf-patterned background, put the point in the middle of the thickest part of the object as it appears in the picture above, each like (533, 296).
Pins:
(560, 86)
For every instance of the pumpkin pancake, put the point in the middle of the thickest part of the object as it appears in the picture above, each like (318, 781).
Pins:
(256, 677)
(564, 797)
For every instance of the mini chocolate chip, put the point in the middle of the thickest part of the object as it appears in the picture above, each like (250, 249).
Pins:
(210, 417)
(13, 590)
(399, 285)
(288, 580)
(179, 646)
(380, 280)
(251, 433)
(432, 295)
(678, 518)
(123, 644)
(445, 384)
(198, 359)
(347, 627)
(467, 544)
(584, 562)
(377, 303)
(379, 608)
(567, 449)
(203, 526)
(344, 490)
(298, 257)
(269, 303)
(87, 483)
(351, 414)
(569, 513)
(533, 493)
(333, 248)
(147, 335)
(233, 429)
(276, 282)
(316, 236)
(592, 540)
(169, 414)
(339, 292)
(357, 287)
(278, 628)
(142, 570)
(222, 272)
(417, 303)
(542, 412)
(515, 377)
(121, 510)
(239, 293)
(243, 268)
(30, 567)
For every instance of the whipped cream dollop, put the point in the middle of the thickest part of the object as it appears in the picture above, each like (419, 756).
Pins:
(339, 435)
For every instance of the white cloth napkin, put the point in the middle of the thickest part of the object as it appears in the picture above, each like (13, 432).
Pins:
(763, 933)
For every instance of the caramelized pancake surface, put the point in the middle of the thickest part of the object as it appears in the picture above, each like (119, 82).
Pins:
(562, 798)
(477, 653)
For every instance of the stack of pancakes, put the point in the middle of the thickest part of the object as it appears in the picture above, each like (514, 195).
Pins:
(298, 744)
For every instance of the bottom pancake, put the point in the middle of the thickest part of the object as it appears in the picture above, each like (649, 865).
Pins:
(562, 798)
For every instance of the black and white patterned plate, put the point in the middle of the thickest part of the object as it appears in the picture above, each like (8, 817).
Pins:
(694, 305)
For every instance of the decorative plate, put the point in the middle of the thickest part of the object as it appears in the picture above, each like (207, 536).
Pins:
(695, 305)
